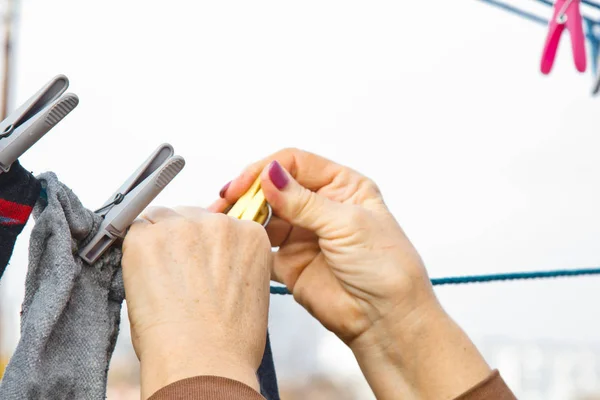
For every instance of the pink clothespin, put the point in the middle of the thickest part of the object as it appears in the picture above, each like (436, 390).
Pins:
(566, 14)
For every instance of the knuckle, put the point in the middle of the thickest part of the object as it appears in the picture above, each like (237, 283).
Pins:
(247, 226)
(131, 237)
(370, 186)
(257, 235)
(289, 150)
(175, 224)
(250, 228)
(135, 236)
(363, 189)
(217, 228)
(139, 240)
(129, 244)
(261, 236)
(178, 228)
(358, 218)
(218, 221)
(190, 211)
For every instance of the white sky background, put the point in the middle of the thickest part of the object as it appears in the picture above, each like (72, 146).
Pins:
(488, 165)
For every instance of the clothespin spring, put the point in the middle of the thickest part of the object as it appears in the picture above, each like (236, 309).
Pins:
(124, 206)
(119, 197)
(561, 18)
(33, 119)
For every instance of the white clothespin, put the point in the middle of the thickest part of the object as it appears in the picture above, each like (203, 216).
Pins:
(25, 126)
(132, 198)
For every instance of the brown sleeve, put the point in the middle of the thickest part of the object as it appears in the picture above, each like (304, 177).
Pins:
(207, 388)
(492, 388)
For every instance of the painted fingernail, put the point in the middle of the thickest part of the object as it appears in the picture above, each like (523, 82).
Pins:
(224, 190)
(278, 176)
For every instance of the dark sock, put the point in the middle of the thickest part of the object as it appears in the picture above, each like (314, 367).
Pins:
(266, 374)
(19, 191)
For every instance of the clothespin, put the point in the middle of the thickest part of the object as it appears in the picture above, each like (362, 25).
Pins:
(252, 206)
(567, 14)
(25, 126)
(123, 207)
(592, 34)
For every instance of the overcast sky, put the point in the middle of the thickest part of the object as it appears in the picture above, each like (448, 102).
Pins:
(488, 165)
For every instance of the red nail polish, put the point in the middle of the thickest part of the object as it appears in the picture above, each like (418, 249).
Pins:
(278, 176)
(224, 190)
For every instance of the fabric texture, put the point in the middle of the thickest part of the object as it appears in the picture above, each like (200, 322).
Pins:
(19, 191)
(207, 388)
(71, 311)
(218, 388)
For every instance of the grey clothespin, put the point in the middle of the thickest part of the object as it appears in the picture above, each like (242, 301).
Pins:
(25, 126)
(132, 198)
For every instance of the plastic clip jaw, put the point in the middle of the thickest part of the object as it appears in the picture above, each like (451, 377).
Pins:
(567, 15)
(36, 117)
(131, 199)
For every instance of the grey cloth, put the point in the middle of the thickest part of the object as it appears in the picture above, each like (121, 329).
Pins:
(71, 311)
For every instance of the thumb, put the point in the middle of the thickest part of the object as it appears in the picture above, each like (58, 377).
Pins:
(298, 205)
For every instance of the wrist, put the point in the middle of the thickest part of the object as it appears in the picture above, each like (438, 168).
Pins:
(393, 337)
(423, 354)
(170, 355)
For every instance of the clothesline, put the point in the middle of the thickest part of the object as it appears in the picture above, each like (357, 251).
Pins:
(517, 11)
(586, 2)
(511, 276)
(531, 16)
(592, 33)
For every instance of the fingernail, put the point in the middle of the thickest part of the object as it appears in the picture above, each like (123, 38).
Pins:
(224, 190)
(278, 176)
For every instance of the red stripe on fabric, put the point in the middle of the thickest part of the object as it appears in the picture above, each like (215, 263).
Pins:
(14, 211)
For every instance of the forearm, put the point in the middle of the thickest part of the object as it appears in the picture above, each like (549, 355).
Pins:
(428, 356)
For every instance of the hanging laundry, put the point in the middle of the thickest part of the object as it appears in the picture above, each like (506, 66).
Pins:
(74, 289)
(19, 191)
(71, 311)
(567, 15)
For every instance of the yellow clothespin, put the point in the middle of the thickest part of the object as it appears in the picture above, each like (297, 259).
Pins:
(252, 206)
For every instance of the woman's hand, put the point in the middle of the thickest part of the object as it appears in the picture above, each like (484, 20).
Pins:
(348, 262)
(341, 253)
(197, 287)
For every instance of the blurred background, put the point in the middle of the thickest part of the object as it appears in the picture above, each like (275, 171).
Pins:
(488, 165)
